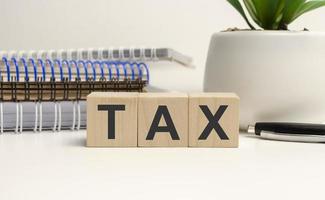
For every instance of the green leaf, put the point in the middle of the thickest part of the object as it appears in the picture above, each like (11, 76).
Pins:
(252, 11)
(309, 6)
(267, 11)
(275, 14)
(278, 15)
(236, 4)
(290, 10)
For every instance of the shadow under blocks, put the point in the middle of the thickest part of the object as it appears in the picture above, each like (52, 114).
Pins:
(124, 119)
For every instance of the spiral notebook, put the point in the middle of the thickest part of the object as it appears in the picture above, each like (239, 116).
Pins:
(46, 90)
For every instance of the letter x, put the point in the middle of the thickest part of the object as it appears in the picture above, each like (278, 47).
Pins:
(213, 122)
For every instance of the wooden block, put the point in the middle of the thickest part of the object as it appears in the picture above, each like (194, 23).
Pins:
(112, 119)
(163, 120)
(213, 120)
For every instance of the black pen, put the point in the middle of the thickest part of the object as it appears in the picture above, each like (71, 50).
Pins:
(295, 132)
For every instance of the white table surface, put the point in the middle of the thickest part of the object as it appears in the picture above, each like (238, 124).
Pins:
(58, 166)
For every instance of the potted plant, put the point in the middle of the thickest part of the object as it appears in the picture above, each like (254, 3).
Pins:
(279, 74)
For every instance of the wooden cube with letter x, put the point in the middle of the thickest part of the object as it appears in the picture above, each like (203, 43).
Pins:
(213, 120)
(163, 120)
(112, 119)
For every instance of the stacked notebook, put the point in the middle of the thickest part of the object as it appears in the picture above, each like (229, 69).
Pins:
(46, 90)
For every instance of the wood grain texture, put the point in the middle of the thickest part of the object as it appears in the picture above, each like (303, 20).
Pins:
(125, 121)
(177, 105)
(198, 121)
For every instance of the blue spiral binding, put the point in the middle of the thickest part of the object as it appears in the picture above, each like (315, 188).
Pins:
(101, 68)
(48, 61)
(116, 69)
(69, 68)
(132, 70)
(4, 59)
(60, 67)
(14, 60)
(146, 68)
(77, 68)
(109, 69)
(35, 68)
(139, 70)
(93, 68)
(85, 68)
(23, 60)
(43, 68)
(126, 67)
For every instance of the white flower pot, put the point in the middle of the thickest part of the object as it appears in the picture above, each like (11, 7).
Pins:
(279, 75)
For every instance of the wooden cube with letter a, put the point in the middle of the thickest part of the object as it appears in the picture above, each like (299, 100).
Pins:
(163, 120)
(213, 120)
(112, 119)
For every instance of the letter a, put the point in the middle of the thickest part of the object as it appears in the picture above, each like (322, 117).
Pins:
(162, 111)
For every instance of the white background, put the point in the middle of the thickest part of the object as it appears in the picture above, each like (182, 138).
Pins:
(58, 166)
(185, 25)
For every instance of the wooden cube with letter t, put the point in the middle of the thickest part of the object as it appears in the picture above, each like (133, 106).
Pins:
(213, 120)
(112, 119)
(163, 120)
